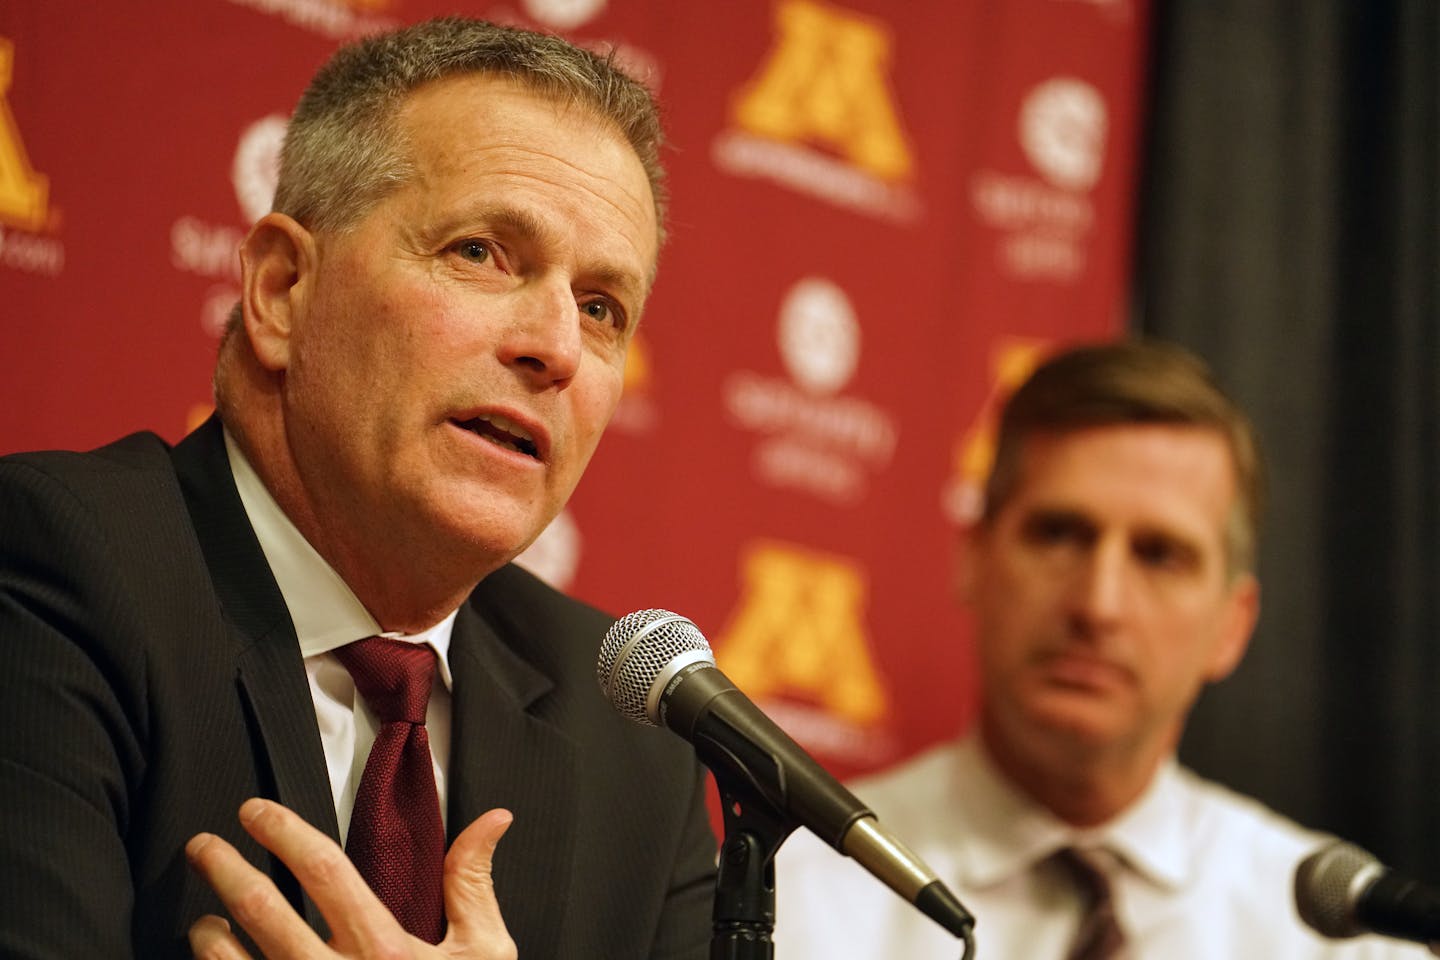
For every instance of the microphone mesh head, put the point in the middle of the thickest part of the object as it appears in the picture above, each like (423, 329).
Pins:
(1324, 888)
(635, 651)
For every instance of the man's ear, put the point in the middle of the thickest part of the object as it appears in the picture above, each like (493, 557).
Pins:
(1238, 623)
(277, 261)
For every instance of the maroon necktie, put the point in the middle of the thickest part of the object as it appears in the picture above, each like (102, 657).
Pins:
(396, 839)
(1099, 936)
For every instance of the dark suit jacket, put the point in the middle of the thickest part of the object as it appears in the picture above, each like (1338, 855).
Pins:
(151, 681)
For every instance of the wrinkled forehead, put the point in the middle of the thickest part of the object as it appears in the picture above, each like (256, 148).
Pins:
(480, 110)
(480, 134)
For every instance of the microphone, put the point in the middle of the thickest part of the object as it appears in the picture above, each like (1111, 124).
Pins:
(1343, 891)
(656, 668)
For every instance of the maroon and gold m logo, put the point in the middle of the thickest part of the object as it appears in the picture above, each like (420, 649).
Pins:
(826, 82)
(800, 630)
(24, 194)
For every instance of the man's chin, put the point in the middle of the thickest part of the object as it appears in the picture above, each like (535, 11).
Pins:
(482, 543)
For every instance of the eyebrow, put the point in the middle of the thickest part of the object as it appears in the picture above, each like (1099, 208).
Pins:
(1057, 514)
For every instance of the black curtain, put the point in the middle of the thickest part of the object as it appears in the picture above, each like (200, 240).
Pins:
(1288, 232)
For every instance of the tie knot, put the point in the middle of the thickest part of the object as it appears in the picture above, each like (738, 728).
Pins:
(394, 677)
(1089, 869)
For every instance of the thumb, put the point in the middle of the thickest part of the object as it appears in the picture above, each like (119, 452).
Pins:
(475, 925)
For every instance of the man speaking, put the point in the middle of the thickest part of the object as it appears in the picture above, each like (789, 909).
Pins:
(309, 600)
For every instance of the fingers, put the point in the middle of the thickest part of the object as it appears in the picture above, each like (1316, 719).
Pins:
(252, 900)
(476, 925)
(356, 916)
(211, 939)
(358, 921)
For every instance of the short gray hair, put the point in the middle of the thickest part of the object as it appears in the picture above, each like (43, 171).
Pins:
(343, 150)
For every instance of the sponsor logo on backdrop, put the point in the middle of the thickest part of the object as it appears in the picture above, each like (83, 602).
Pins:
(28, 224)
(797, 643)
(1062, 130)
(819, 115)
(564, 14)
(256, 169)
(555, 555)
(811, 438)
(339, 19)
(24, 193)
(1045, 219)
(1011, 360)
(819, 337)
(211, 250)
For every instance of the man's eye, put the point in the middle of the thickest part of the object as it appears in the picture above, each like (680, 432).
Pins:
(473, 250)
(1162, 553)
(1054, 529)
(602, 312)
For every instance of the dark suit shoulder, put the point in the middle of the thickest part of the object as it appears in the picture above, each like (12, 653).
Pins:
(112, 517)
(121, 479)
(139, 450)
(103, 577)
(97, 556)
(97, 571)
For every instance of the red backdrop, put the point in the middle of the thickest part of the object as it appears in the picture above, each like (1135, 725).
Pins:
(880, 213)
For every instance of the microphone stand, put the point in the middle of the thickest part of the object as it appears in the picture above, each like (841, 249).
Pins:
(744, 912)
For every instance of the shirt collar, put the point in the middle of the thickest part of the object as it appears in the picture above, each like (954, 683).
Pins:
(1153, 834)
(325, 611)
(1007, 832)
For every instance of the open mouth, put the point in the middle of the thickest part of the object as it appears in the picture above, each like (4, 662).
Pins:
(501, 431)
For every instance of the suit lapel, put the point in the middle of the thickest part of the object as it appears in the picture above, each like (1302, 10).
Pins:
(270, 671)
(503, 754)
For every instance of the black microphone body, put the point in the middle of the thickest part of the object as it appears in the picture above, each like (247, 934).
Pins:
(656, 667)
(1343, 891)
(728, 730)
(1397, 906)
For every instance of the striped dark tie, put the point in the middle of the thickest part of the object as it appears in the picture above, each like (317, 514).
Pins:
(1099, 936)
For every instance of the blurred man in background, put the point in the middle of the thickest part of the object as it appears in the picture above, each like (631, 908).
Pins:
(431, 340)
(1111, 578)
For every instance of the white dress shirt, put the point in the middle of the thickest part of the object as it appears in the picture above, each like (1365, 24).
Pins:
(1205, 873)
(327, 615)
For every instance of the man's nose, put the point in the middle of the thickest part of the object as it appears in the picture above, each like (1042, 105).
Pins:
(1101, 584)
(543, 334)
